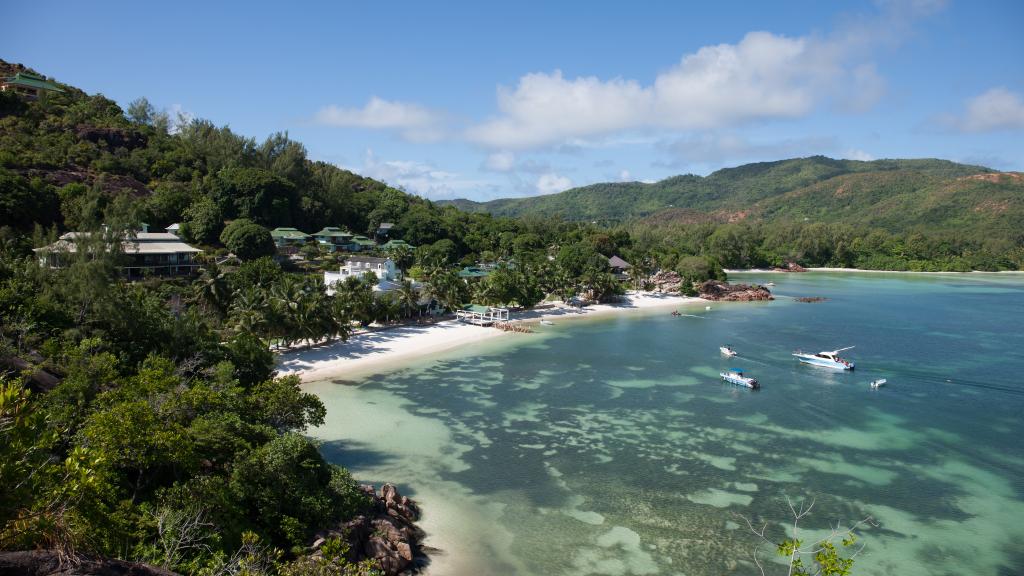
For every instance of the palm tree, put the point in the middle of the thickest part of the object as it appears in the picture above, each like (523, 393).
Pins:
(250, 310)
(212, 290)
(285, 296)
(445, 286)
(408, 297)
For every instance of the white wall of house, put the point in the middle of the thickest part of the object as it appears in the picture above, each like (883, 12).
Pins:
(385, 271)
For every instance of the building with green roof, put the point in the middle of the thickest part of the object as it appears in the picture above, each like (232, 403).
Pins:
(28, 85)
(392, 244)
(289, 237)
(334, 238)
(362, 243)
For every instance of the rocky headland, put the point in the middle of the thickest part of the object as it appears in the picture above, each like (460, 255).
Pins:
(723, 291)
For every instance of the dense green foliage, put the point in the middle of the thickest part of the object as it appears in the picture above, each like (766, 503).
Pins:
(902, 214)
(143, 420)
(152, 421)
(247, 240)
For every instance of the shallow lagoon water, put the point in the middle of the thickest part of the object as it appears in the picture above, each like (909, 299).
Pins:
(608, 446)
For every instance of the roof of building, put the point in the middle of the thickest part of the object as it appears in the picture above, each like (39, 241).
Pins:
(616, 262)
(395, 243)
(473, 272)
(366, 259)
(175, 226)
(385, 226)
(281, 232)
(139, 236)
(143, 243)
(30, 80)
(332, 231)
(363, 241)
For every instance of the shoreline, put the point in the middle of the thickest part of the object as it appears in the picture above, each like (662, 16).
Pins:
(391, 348)
(866, 271)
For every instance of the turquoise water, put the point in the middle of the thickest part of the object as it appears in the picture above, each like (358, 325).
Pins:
(610, 447)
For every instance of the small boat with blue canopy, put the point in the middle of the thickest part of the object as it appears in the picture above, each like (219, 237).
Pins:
(735, 376)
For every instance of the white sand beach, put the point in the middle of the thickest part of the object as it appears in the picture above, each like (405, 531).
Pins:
(385, 349)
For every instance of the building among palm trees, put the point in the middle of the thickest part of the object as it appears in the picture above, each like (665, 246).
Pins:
(384, 271)
(620, 268)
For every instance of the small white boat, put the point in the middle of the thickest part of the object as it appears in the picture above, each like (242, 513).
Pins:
(735, 376)
(727, 350)
(825, 359)
(707, 307)
(876, 384)
(770, 284)
(547, 322)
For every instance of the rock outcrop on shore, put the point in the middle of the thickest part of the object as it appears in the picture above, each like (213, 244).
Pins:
(723, 291)
(790, 267)
(666, 281)
(388, 534)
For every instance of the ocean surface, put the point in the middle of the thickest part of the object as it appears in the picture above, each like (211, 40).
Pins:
(610, 446)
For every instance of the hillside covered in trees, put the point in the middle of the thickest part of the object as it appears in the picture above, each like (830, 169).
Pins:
(143, 420)
(957, 210)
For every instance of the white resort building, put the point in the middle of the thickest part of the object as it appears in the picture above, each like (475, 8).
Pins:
(158, 253)
(383, 269)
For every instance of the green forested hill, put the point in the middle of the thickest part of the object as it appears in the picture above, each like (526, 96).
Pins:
(892, 194)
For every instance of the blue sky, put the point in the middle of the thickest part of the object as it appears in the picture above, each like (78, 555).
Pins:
(483, 101)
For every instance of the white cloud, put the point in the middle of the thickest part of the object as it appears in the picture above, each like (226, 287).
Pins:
(625, 176)
(718, 149)
(421, 178)
(996, 109)
(551, 183)
(500, 162)
(548, 109)
(413, 121)
(763, 76)
(855, 154)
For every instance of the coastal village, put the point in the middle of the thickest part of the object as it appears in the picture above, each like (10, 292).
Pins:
(371, 259)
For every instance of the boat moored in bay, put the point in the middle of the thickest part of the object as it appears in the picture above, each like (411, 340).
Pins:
(727, 350)
(826, 359)
(735, 376)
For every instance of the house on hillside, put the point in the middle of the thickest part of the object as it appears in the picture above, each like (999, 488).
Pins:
(361, 244)
(383, 233)
(392, 244)
(334, 238)
(289, 237)
(29, 86)
(156, 253)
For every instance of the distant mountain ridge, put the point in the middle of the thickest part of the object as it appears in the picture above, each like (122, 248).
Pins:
(891, 194)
